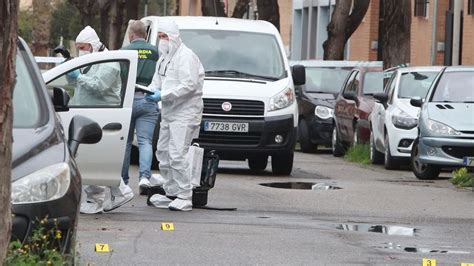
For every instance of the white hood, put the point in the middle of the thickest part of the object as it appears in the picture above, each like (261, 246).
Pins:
(242, 88)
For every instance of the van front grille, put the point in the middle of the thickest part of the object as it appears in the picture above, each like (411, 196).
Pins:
(226, 138)
(239, 107)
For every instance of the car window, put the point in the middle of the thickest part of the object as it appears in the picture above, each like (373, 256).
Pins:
(322, 79)
(26, 108)
(455, 87)
(353, 84)
(415, 84)
(391, 88)
(97, 85)
(235, 51)
(373, 83)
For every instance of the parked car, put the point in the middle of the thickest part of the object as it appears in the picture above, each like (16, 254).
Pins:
(250, 110)
(446, 124)
(353, 107)
(316, 99)
(393, 120)
(46, 182)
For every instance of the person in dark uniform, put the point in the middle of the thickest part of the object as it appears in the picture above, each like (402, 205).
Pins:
(144, 112)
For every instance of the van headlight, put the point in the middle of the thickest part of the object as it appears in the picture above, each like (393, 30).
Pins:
(282, 100)
(47, 184)
(323, 112)
(442, 129)
(403, 120)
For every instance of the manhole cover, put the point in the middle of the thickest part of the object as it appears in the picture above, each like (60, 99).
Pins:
(383, 229)
(300, 185)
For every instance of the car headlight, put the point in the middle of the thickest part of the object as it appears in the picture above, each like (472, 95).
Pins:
(404, 121)
(440, 128)
(47, 184)
(282, 100)
(323, 112)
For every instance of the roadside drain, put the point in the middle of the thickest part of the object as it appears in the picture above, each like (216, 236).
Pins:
(300, 185)
(382, 229)
(421, 250)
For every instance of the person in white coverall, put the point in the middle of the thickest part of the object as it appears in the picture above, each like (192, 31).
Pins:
(178, 82)
(97, 85)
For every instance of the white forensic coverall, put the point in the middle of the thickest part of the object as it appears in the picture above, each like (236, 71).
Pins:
(180, 76)
(101, 84)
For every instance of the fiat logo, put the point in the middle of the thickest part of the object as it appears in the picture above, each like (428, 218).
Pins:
(226, 106)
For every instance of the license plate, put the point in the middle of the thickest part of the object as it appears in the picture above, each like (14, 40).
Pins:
(226, 126)
(468, 161)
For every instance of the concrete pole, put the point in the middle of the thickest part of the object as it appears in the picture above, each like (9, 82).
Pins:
(434, 33)
(458, 7)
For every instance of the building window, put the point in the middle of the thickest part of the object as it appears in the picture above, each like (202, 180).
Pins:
(421, 8)
(470, 7)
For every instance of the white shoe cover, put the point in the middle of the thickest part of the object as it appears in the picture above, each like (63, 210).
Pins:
(144, 182)
(160, 201)
(156, 180)
(181, 205)
(119, 196)
(91, 208)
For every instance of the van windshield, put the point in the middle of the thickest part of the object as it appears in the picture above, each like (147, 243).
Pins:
(236, 54)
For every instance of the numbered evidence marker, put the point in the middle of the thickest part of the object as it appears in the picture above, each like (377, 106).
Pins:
(167, 226)
(102, 248)
(467, 264)
(429, 262)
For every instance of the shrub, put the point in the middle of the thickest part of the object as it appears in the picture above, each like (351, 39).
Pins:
(462, 178)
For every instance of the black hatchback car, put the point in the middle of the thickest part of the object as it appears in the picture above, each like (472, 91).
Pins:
(45, 180)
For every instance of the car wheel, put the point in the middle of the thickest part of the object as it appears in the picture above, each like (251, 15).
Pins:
(305, 139)
(258, 164)
(376, 157)
(421, 170)
(337, 147)
(282, 164)
(390, 162)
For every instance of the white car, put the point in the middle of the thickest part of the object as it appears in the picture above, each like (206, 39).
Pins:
(393, 120)
(101, 163)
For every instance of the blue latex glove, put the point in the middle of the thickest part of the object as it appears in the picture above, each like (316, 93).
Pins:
(74, 74)
(155, 97)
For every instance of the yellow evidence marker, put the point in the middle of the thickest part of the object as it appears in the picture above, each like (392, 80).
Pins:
(167, 226)
(467, 264)
(429, 262)
(102, 248)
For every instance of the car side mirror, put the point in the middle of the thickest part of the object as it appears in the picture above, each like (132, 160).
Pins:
(351, 96)
(60, 99)
(381, 97)
(416, 101)
(299, 75)
(83, 130)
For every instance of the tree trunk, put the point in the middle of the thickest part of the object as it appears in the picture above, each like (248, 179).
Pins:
(116, 22)
(87, 9)
(41, 31)
(8, 44)
(344, 22)
(268, 10)
(212, 8)
(240, 8)
(396, 41)
(132, 10)
(104, 9)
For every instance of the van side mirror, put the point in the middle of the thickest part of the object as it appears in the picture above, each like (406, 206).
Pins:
(351, 96)
(83, 130)
(60, 99)
(299, 75)
(416, 101)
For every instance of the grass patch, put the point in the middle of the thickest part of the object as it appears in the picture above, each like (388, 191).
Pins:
(359, 153)
(462, 178)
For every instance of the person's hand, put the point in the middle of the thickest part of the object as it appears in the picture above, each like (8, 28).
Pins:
(155, 97)
(73, 74)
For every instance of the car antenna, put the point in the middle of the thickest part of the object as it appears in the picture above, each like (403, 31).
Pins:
(215, 11)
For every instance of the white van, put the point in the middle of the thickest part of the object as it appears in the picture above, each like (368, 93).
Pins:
(250, 109)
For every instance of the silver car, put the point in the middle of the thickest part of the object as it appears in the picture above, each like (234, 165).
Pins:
(446, 124)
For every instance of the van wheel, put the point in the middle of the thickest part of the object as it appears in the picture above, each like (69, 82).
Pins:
(421, 170)
(390, 162)
(282, 164)
(305, 139)
(337, 147)
(376, 157)
(258, 164)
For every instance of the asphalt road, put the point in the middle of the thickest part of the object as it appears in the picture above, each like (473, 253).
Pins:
(414, 219)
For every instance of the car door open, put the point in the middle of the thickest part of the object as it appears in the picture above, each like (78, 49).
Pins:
(101, 86)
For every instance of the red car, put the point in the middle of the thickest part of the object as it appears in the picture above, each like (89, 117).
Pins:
(353, 107)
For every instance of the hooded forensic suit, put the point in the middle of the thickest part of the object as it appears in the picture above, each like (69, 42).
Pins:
(180, 76)
(99, 84)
